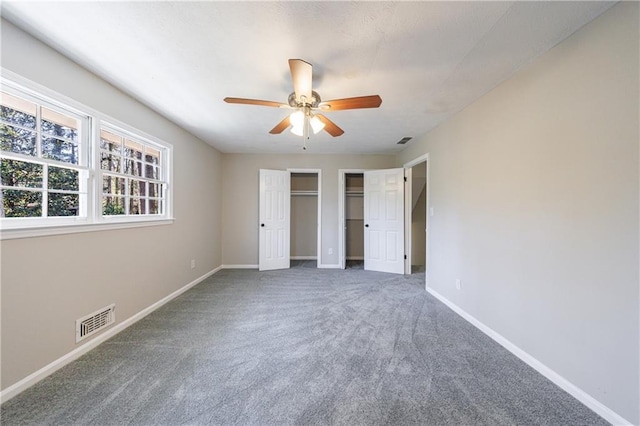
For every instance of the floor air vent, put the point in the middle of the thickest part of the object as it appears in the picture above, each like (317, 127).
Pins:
(94, 322)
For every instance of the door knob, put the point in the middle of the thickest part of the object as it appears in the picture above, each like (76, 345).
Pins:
(366, 226)
(262, 224)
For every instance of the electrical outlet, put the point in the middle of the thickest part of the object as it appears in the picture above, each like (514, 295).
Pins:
(458, 284)
(193, 263)
(330, 250)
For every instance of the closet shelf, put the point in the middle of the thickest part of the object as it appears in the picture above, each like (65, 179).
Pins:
(300, 192)
(354, 193)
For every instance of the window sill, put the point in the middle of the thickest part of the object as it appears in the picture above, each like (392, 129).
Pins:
(43, 231)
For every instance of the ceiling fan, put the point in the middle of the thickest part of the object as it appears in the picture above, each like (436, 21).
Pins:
(306, 103)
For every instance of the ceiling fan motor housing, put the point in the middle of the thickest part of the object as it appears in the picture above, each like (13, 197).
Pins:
(313, 102)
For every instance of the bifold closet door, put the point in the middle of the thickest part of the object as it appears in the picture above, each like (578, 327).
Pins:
(274, 227)
(384, 220)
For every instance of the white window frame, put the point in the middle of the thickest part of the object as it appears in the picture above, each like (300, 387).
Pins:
(163, 165)
(91, 183)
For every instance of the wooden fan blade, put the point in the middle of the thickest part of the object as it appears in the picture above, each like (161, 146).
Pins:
(281, 126)
(254, 102)
(372, 101)
(301, 74)
(329, 126)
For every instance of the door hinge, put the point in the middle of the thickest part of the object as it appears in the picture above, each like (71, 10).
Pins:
(405, 178)
(405, 257)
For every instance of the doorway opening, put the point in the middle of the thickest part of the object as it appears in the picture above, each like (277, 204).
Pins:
(354, 220)
(280, 227)
(416, 215)
(305, 218)
(370, 206)
(351, 212)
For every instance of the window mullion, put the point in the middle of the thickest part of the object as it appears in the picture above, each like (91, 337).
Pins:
(45, 166)
(126, 196)
(94, 200)
(21, 188)
(16, 125)
(39, 131)
(21, 157)
(45, 190)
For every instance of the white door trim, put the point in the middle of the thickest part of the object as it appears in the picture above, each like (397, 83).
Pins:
(418, 160)
(407, 206)
(342, 255)
(319, 227)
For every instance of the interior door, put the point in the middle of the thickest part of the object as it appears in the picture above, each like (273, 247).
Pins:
(274, 241)
(384, 220)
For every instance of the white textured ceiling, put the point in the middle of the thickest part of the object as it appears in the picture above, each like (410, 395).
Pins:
(427, 60)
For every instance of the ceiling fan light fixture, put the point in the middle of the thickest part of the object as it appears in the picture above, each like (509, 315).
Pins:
(316, 125)
(297, 119)
(297, 130)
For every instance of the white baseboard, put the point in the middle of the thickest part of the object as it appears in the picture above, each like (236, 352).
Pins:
(328, 266)
(304, 257)
(589, 401)
(239, 266)
(49, 369)
(321, 266)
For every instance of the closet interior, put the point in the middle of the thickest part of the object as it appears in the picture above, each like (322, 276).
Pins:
(304, 216)
(354, 217)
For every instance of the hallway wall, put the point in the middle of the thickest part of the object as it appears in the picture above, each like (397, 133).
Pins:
(535, 190)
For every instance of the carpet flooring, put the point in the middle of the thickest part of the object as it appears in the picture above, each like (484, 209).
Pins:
(303, 346)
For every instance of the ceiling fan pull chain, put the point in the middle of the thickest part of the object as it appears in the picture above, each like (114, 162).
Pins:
(305, 133)
(305, 130)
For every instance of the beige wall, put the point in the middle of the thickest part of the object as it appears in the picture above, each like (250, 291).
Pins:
(240, 198)
(49, 282)
(535, 194)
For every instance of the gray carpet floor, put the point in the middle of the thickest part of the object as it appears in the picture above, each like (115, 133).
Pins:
(302, 346)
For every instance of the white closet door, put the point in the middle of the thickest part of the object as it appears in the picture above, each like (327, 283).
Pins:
(384, 220)
(274, 241)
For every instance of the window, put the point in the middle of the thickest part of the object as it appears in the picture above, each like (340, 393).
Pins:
(64, 165)
(131, 175)
(42, 163)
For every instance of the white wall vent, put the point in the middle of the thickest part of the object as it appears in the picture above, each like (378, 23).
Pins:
(92, 323)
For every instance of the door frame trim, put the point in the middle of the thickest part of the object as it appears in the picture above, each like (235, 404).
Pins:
(319, 225)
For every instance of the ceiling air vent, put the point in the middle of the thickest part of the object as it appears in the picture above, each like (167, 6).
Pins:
(404, 140)
(94, 322)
